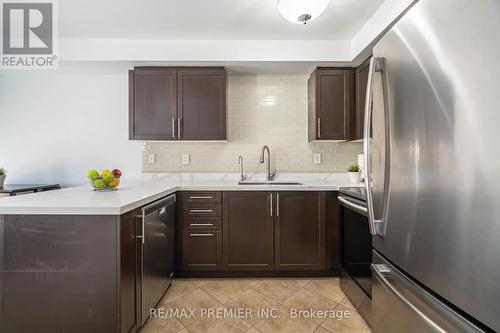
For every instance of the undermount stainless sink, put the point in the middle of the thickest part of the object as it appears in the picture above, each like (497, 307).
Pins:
(268, 183)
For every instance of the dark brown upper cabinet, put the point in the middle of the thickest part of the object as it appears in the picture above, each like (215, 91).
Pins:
(153, 103)
(300, 231)
(248, 231)
(361, 85)
(202, 104)
(330, 100)
(168, 103)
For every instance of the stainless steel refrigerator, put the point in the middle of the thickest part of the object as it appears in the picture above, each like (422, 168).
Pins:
(434, 161)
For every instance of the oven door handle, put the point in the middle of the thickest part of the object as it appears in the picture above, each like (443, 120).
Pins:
(355, 207)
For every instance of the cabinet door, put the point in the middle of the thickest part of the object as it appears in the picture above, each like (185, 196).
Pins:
(153, 104)
(201, 250)
(361, 85)
(248, 230)
(202, 104)
(332, 231)
(300, 231)
(129, 272)
(333, 103)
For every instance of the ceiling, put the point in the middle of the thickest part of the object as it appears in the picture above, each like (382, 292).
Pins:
(206, 19)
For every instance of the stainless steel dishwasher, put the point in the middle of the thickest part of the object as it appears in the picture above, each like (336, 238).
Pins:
(158, 252)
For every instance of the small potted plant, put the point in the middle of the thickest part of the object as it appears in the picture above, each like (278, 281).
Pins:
(354, 172)
(3, 174)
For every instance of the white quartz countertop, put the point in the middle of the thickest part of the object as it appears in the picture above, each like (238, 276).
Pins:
(81, 200)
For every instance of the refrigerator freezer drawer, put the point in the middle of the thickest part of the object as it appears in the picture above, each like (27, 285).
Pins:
(400, 305)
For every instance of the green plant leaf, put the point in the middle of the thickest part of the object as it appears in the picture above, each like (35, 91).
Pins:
(354, 168)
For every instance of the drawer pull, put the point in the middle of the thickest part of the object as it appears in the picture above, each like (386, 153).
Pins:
(201, 197)
(271, 204)
(201, 235)
(201, 224)
(201, 210)
(277, 204)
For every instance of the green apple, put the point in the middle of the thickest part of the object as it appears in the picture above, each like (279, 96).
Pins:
(98, 183)
(108, 178)
(92, 174)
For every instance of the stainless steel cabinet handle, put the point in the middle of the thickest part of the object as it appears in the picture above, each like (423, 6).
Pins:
(277, 204)
(319, 128)
(179, 135)
(141, 237)
(173, 128)
(201, 197)
(201, 210)
(271, 204)
(201, 224)
(201, 235)
(377, 226)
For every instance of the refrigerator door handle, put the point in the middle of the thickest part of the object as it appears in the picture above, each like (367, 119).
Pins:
(377, 226)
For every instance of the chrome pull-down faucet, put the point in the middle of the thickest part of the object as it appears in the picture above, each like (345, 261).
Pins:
(243, 177)
(269, 174)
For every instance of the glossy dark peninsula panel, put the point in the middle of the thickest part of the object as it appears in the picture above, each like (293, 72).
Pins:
(60, 273)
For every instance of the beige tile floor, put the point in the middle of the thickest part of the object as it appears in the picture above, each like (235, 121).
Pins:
(282, 298)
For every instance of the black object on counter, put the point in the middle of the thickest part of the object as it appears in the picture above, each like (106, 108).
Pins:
(13, 190)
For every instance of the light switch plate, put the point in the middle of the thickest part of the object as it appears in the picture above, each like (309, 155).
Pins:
(317, 158)
(151, 158)
(185, 159)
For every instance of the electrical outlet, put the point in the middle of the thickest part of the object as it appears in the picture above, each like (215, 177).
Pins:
(317, 158)
(185, 159)
(151, 158)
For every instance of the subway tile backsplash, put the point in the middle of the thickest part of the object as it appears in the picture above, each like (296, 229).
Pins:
(261, 110)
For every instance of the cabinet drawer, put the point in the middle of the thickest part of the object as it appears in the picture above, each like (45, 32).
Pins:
(202, 223)
(201, 250)
(201, 197)
(202, 210)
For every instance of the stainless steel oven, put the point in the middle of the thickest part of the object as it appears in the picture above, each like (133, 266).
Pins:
(356, 250)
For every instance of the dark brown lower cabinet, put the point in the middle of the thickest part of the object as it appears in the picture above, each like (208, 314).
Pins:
(202, 250)
(259, 231)
(69, 273)
(248, 231)
(130, 263)
(332, 231)
(300, 231)
(200, 232)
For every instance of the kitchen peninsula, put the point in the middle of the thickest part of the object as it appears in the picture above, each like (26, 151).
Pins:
(71, 258)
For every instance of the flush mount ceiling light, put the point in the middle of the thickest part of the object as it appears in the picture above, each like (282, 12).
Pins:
(302, 11)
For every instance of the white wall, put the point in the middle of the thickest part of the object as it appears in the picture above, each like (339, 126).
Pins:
(54, 125)
(203, 50)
